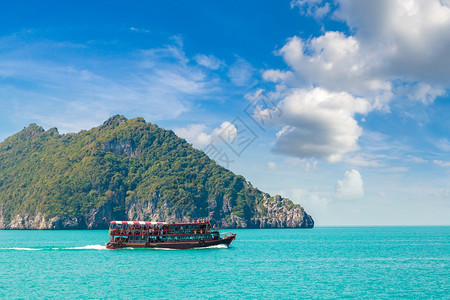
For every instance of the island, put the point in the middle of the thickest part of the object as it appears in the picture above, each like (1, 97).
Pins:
(126, 170)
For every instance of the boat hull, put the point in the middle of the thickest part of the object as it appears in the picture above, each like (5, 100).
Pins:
(173, 244)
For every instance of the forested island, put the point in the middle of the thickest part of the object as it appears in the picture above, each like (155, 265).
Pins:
(126, 170)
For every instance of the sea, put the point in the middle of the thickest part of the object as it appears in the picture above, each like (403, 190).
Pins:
(319, 263)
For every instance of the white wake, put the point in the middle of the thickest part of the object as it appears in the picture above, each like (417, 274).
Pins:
(22, 249)
(88, 247)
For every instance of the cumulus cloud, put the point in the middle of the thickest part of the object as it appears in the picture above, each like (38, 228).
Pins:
(350, 187)
(318, 123)
(391, 39)
(335, 62)
(194, 134)
(197, 134)
(410, 38)
(395, 48)
(227, 130)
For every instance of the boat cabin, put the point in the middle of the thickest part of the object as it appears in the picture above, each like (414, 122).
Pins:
(136, 232)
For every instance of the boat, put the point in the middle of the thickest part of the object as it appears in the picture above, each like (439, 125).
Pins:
(143, 234)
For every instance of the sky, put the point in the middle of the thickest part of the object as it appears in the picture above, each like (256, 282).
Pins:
(342, 106)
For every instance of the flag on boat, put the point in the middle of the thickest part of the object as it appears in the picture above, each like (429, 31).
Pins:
(211, 213)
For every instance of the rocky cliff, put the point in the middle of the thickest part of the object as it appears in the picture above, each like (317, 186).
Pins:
(126, 170)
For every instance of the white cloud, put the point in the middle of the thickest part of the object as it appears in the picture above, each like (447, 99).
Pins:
(139, 30)
(315, 8)
(419, 91)
(197, 135)
(415, 159)
(317, 123)
(241, 72)
(350, 187)
(395, 48)
(194, 134)
(443, 144)
(277, 75)
(271, 165)
(154, 83)
(226, 129)
(409, 39)
(397, 169)
(310, 166)
(366, 160)
(297, 164)
(441, 163)
(208, 61)
(335, 62)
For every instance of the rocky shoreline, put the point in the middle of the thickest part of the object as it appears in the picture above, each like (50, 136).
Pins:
(273, 213)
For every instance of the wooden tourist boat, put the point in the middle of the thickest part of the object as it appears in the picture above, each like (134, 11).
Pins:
(140, 234)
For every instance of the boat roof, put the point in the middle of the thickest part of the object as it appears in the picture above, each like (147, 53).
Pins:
(155, 223)
(137, 223)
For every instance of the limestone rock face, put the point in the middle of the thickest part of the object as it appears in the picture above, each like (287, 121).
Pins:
(234, 222)
(274, 212)
(123, 148)
(39, 222)
(280, 213)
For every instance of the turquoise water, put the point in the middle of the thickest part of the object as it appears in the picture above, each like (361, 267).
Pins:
(319, 263)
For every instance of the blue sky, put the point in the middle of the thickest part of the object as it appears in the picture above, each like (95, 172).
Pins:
(342, 106)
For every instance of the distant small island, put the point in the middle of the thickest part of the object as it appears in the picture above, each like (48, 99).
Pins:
(126, 170)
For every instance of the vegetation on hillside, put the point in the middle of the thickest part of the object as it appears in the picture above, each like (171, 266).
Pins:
(119, 162)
